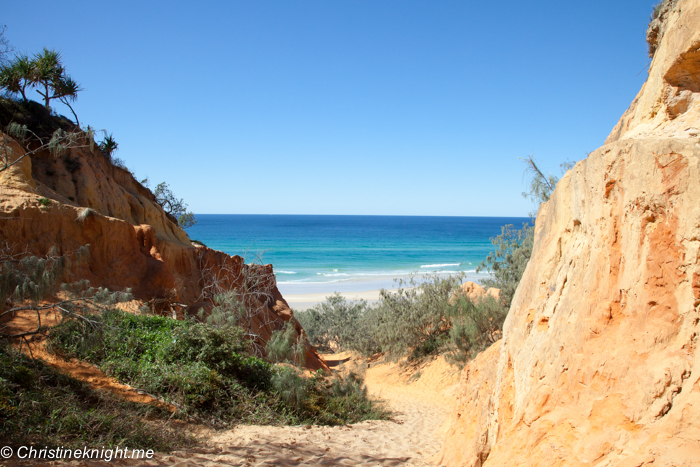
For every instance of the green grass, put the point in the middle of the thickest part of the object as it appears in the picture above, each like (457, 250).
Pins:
(41, 406)
(206, 372)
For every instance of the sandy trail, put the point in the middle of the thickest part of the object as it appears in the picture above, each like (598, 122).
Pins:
(414, 438)
(421, 399)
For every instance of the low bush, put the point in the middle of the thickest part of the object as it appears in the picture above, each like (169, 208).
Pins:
(426, 316)
(333, 324)
(203, 370)
(413, 321)
(43, 407)
(327, 401)
(508, 261)
(285, 346)
(475, 326)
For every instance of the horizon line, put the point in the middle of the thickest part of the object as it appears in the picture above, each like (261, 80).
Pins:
(358, 215)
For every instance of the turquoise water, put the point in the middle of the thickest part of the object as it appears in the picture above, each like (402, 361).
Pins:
(313, 254)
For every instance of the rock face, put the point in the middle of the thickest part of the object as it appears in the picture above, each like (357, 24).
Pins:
(599, 362)
(133, 242)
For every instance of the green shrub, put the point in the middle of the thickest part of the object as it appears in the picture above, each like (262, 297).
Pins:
(334, 324)
(414, 319)
(508, 261)
(41, 406)
(284, 346)
(204, 370)
(291, 387)
(227, 311)
(417, 321)
(327, 401)
(475, 326)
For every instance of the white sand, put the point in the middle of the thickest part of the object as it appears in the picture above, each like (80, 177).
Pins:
(304, 301)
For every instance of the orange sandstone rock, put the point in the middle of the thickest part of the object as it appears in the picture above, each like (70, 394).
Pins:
(599, 364)
(474, 291)
(133, 243)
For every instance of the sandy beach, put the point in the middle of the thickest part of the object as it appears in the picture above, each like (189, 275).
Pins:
(304, 301)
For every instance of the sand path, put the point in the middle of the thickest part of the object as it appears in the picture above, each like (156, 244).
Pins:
(421, 399)
(422, 407)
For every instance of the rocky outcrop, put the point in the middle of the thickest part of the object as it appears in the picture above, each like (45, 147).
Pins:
(598, 364)
(667, 104)
(132, 242)
(474, 291)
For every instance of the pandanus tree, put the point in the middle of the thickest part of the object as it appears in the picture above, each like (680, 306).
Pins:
(45, 73)
(16, 77)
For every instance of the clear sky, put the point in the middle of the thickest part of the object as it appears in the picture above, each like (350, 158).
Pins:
(345, 106)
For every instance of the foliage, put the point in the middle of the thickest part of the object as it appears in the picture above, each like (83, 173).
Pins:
(16, 77)
(186, 220)
(203, 370)
(41, 406)
(58, 144)
(44, 72)
(174, 206)
(413, 319)
(28, 277)
(327, 401)
(541, 185)
(475, 326)
(513, 248)
(284, 346)
(227, 310)
(108, 146)
(333, 325)
(508, 261)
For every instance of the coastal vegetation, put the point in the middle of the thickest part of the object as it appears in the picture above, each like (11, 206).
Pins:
(45, 407)
(427, 315)
(431, 314)
(208, 373)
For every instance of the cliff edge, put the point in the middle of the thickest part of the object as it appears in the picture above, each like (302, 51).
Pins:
(599, 364)
(60, 204)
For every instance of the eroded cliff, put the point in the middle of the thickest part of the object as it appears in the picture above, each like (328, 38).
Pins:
(598, 364)
(133, 243)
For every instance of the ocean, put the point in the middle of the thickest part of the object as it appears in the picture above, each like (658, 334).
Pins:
(326, 254)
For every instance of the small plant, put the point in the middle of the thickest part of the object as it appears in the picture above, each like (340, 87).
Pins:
(333, 325)
(285, 346)
(413, 320)
(84, 214)
(656, 10)
(174, 206)
(45, 202)
(508, 261)
(108, 146)
(186, 220)
(292, 388)
(476, 325)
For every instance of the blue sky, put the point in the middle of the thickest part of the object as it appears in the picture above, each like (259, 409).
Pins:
(346, 106)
